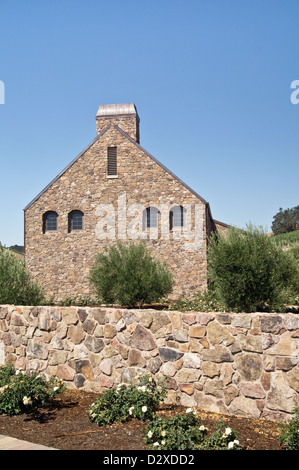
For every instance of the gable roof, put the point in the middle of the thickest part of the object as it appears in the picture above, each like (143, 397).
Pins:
(133, 142)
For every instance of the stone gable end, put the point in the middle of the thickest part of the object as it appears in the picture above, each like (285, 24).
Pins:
(60, 260)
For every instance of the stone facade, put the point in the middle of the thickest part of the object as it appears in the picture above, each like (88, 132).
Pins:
(241, 364)
(112, 208)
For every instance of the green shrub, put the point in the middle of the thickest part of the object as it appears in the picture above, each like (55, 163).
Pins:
(16, 287)
(6, 373)
(249, 271)
(289, 437)
(222, 438)
(186, 432)
(23, 393)
(128, 401)
(180, 432)
(129, 276)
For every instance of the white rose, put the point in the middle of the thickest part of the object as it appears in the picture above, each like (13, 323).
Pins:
(189, 410)
(228, 431)
(144, 409)
(27, 400)
(150, 434)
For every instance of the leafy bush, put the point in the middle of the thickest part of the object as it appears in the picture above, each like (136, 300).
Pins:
(179, 432)
(16, 287)
(286, 239)
(249, 271)
(289, 438)
(22, 393)
(129, 276)
(186, 432)
(222, 438)
(128, 401)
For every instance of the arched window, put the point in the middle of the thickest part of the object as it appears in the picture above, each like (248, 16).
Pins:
(177, 217)
(75, 220)
(50, 221)
(150, 218)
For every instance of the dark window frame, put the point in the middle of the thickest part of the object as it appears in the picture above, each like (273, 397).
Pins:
(50, 221)
(75, 221)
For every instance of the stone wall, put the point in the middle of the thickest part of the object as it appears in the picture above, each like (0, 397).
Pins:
(242, 364)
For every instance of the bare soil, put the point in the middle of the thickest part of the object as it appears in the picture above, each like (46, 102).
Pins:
(64, 425)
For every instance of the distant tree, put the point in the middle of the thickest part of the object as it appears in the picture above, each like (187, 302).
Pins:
(18, 248)
(286, 220)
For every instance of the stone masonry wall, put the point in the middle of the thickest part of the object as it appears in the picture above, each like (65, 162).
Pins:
(241, 364)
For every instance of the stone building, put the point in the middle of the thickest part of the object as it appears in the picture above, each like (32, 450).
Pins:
(115, 190)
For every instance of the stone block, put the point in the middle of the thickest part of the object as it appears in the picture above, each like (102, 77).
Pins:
(197, 331)
(249, 365)
(168, 354)
(142, 339)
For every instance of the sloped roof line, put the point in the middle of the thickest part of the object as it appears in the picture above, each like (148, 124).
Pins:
(67, 167)
(160, 164)
(131, 140)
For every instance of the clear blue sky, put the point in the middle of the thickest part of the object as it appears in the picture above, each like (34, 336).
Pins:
(210, 79)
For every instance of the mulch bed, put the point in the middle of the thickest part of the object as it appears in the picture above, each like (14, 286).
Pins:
(64, 425)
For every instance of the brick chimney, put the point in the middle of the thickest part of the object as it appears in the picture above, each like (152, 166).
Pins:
(123, 115)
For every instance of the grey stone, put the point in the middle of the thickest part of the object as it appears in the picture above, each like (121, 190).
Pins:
(180, 335)
(79, 380)
(82, 314)
(159, 320)
(37, 349)
(271, 324)
(89, 325)
(167, 354)
(99, 315)
(249, 365)
(106, 366)
(94, 344)
(154, 364)
(192, 360)
(142, 339)
(241, 321)
(217, 354)
(244, 407)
